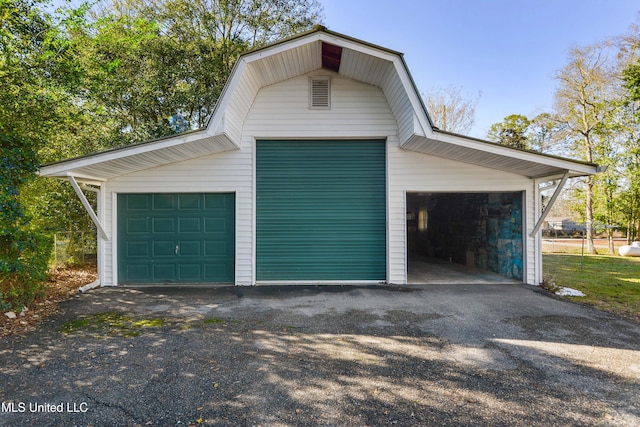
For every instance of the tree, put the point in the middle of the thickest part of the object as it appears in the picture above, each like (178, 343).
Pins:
(32, 97)
(511, 132)
(145, 62)
(630, 197)
(449, 110)
(131, 66)
(541, 133)
(583, 104)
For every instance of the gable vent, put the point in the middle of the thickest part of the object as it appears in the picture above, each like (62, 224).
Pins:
(320, 96)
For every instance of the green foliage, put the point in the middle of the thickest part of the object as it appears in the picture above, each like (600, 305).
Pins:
(23, 254)
(631, 78)
(541, 133)
(142, 63)
(17, 165)
(24, 263)
(53, 206)
(28, 109)
(511, 132)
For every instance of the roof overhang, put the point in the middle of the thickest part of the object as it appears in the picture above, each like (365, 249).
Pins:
(319, 49)
(104, 165)
(499, 157)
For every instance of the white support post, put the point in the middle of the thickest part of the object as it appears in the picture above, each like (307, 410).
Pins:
(88, 207)
(555, 195)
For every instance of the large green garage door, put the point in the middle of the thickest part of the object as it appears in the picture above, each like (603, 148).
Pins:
(176, 238)
(321, 210)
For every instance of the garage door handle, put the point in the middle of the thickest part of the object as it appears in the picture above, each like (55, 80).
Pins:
(177, 249)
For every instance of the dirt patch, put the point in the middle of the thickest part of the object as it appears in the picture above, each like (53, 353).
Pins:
(62, 283)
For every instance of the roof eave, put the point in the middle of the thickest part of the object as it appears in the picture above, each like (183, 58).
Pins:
(526, 163)
(78, 166)
(515, 149)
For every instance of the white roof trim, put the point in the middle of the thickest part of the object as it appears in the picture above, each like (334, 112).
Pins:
(218, 112)
(422, 138)
(64, 168)
(488, 154)
(529, 156)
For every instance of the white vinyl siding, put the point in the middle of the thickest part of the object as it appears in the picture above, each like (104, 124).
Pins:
(357, 111)
(280, 110)
(218, 173)
(413, 172)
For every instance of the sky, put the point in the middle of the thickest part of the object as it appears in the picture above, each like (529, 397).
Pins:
(505, 50)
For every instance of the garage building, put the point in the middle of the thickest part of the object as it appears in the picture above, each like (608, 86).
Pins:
(320, 164)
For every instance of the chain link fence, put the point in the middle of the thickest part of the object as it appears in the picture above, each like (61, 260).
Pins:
(75, 248)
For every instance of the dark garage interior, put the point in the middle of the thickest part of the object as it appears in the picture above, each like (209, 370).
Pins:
(479, 231)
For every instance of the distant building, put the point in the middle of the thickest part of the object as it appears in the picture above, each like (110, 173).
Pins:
(562, 226)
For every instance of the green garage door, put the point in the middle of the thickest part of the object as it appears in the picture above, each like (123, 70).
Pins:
(176, 238)
(321, 210)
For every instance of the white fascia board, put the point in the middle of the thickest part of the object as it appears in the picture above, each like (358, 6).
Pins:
(414, 97)
(563, 164)
(229, 89)
(281, 47)
(401, 70)
(61, 169)
(358, 47)
(240, 68)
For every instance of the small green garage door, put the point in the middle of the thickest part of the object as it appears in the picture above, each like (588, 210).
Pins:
(321, 210)
(176, 238)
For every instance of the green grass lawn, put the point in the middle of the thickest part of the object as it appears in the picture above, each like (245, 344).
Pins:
(611, 283)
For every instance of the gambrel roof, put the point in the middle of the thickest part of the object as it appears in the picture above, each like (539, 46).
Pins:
(307, 52)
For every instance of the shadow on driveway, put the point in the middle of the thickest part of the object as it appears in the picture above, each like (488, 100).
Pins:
(420, 355)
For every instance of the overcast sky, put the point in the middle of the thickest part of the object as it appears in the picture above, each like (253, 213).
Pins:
(506, 49)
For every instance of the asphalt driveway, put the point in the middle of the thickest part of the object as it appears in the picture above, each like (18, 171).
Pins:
(424, 355)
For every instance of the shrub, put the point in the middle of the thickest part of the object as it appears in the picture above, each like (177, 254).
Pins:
(23, 268)
(24, 254)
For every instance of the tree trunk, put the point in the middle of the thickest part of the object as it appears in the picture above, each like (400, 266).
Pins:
(612, 248)
(589, 213)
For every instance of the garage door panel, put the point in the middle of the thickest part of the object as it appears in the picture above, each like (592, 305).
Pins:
(215, 248)
(138, 249)
(163, 225)
(216, 270)
(189, 225)
(162, 202)
(190, 272)
(321, 210)
(137, 202)
(164, 272)
(189, 201)
(212, 202)
(190, 248)
(138, 271)
(137, 225)
(216, 225)
(165, 238)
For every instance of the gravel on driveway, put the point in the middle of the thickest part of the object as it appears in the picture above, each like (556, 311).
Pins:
(500, 354)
